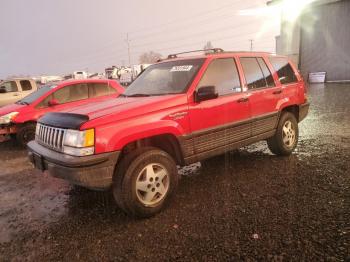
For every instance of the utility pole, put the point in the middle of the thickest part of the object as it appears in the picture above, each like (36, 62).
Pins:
(251, 44)
(128, 43)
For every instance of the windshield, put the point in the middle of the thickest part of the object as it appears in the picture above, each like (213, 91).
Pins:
(35, 95)
(165, 78)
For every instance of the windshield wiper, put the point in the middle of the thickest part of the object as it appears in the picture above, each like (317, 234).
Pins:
(22, 102)
(136, 95)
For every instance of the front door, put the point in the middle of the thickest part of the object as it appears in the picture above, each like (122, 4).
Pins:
(218, 123)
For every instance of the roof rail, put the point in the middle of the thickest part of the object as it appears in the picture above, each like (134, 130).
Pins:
(207, 51)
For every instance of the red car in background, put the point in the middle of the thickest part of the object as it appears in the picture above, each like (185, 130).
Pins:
(19, 119)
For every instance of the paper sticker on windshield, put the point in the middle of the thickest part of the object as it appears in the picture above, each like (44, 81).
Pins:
(183, 68)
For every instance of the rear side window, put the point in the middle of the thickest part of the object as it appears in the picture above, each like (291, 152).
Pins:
(26, 85)
(284, 70)
(267, 74)
(100, 89)
(72, 93)
(253, 73)
(223, 74)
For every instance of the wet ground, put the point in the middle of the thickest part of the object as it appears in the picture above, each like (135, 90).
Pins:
(247, 205)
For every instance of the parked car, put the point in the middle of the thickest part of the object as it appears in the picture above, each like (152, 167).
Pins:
(19, 119)
(13, 90)
(177, 112)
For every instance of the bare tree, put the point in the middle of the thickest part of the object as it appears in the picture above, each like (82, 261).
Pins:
(208, 45)
(149, 57)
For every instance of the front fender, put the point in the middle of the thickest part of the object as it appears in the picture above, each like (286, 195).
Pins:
(110, 139)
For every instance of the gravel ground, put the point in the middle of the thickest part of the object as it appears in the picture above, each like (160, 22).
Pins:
(247, 205)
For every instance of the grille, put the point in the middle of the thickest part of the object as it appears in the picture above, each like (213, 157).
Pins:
(51, 137)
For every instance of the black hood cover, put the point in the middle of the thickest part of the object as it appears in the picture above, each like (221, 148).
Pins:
(63, 120)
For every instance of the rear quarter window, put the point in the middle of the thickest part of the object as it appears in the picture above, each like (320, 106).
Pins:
(284, 70)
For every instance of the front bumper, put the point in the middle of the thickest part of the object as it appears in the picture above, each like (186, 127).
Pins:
(8, 129)
(303, 111)
(94, 172)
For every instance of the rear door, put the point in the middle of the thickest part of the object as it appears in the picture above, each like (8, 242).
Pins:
(263, 94)
(26, 87)
(219, 122)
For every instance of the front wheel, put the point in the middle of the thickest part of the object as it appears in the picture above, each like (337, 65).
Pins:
(25, 134)
(286, 138)
(145, 181)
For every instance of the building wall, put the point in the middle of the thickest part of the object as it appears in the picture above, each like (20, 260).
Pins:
(325, 40)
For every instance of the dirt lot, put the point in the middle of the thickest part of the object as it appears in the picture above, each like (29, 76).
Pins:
(246, 205)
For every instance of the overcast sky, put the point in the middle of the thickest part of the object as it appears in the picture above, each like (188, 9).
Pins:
(58, 37)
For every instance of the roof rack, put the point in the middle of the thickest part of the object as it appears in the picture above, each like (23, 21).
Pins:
(207, 51)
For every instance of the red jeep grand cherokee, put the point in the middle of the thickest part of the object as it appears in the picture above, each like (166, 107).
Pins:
(177, 112)
(19, 119)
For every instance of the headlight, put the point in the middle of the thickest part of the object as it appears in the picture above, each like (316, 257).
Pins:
(6, 119)
(79, 143)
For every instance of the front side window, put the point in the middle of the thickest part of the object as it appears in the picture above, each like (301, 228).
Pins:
(100, 89)
(173, 77)
(223, 74)
(284, 70)
(71, 93)
(253, 74)
(26, 85)
(9, 86)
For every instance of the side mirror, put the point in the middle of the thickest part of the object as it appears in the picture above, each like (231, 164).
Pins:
(206, 93)
(3, 90)
(53, 102)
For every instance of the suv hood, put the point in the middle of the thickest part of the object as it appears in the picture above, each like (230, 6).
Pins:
(124, 107)
(11, 108)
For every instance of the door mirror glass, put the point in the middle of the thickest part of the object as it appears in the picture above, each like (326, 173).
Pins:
(206, 93)
(53, 102)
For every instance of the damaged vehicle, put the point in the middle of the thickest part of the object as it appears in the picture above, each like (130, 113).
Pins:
(18, 120)
(179, 111)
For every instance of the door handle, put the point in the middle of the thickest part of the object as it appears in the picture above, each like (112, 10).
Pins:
(15, 94)
(243, 100)
(277, 92)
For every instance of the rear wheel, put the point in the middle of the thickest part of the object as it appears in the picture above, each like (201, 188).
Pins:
(286, 138)
(25, 134)
(145, 181)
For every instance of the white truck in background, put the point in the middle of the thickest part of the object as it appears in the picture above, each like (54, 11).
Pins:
(80, 75)
(125, 75)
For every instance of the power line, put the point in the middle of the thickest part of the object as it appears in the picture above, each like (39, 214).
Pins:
(192, 19)
(173, 21)
(128, 43)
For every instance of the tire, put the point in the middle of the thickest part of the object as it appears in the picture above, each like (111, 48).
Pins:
(144, 168)
(25, 134)
(285, 139)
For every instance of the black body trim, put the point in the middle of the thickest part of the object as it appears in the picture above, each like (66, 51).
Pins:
(63, 120)
(219, 139)
(228, 147)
